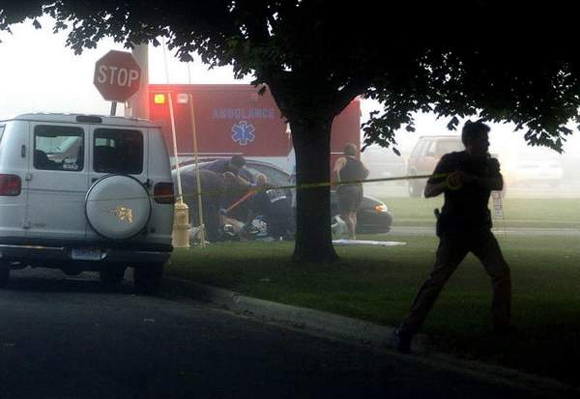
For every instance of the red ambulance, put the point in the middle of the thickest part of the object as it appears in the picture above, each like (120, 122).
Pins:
(235, 119)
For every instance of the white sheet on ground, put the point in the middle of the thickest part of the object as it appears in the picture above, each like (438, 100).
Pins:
(344, 241)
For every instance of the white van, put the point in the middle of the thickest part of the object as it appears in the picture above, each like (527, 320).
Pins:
(85, 193)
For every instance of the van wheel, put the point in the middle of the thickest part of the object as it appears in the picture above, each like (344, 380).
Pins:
(4, 275)
(112, 274)
(148, 278)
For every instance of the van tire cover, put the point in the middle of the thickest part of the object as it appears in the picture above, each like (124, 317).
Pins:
(117, 206)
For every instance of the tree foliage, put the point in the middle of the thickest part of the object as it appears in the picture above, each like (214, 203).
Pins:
(499, 61)
(496, 60)
(504, 61)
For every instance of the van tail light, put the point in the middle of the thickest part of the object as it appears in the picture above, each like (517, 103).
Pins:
(163, 193)
(10, 185)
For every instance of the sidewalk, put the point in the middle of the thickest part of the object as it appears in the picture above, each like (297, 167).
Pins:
(372, 335)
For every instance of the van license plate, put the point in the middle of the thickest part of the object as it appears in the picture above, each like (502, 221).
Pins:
(87, 254)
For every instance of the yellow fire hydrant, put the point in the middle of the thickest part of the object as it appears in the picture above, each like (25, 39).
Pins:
(181, 226)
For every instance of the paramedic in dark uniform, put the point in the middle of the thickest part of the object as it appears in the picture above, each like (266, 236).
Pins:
(349, 168)
(275, 205)
(466, 178)
(234, 165)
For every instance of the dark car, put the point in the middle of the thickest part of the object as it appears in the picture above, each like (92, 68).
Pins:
(372, 215)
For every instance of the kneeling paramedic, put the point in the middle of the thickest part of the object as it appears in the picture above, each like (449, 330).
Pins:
(276, 207)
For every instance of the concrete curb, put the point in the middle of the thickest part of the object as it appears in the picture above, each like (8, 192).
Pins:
(336, 326)
(308, 319)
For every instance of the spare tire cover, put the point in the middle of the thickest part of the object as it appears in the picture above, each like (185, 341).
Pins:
(117, 206)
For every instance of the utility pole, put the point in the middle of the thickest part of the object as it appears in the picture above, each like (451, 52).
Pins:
(138, 105)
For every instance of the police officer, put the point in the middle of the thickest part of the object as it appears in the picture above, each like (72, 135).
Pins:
(466, 178)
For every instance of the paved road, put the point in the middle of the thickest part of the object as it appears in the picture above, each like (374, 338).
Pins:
(64, 338)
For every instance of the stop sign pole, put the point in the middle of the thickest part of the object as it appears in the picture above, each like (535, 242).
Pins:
(117, 77)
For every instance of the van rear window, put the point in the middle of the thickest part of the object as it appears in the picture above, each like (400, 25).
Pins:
(118, 151)
(58, 148)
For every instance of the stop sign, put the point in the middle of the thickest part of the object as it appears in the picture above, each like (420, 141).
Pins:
(117, 76)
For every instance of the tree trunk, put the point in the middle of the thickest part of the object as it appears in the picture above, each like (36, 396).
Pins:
(313, 233)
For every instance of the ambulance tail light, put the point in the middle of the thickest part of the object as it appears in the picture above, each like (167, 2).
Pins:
(159, 98)
(163, 193)
(159, 108)
(10, 185)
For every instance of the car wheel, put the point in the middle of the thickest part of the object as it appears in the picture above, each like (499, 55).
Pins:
(415, 189)
(148, 278)
(4, 275)
(112, 274)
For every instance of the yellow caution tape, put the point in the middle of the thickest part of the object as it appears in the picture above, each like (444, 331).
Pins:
(305, 186)
(302, 186)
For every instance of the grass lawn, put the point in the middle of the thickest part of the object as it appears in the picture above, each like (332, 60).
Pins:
(378, 284)
(518, 212)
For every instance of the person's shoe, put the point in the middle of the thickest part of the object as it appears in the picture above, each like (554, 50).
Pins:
(402, 341)
(229, 230)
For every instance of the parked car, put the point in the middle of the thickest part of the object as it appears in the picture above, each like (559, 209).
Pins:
(534, 166)
(425, 156)
(372, 216)
(383, 162)
(85, 193)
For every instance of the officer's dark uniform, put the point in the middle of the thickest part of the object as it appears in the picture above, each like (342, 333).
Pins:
(464, 226)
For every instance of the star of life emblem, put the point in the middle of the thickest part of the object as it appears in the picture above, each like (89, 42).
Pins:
(243, 133)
